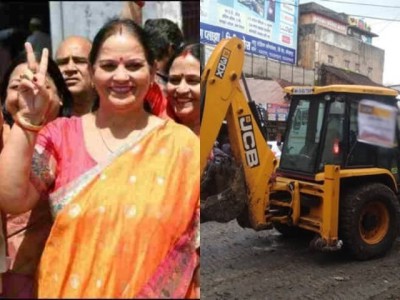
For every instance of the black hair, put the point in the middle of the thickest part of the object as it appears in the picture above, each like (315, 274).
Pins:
(115, 25)
(194, 49)
(164, 34)
(52, 70)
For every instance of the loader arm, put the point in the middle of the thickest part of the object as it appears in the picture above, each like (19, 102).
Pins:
(223, 99)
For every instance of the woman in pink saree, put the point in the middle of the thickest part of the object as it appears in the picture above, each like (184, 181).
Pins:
(123, 184)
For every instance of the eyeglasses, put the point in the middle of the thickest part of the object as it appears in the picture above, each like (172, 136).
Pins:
(164, 78)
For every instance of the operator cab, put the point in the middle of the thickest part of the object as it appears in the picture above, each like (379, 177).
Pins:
(323, 128)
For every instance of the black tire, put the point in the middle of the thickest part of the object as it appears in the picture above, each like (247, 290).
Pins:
(369, 220)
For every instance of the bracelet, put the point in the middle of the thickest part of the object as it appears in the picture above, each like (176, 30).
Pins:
(24, 124)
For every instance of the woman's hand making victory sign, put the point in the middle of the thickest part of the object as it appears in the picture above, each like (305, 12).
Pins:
(34, 91)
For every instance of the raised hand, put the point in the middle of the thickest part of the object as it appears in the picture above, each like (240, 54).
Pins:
(34, 93)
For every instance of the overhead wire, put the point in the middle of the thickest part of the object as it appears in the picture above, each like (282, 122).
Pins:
(342, 2)
(353, 3)
(361, 4)
(375, 18)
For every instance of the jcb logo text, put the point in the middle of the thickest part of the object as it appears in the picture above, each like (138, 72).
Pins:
(249, 141)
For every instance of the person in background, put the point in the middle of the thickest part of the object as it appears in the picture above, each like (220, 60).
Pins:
(27, 232)
(183, 87)
(133, 10)
(11, 44)
(3, 256)
(166, 40)
(126, 224)
(183, 91)
(4, 130)
(61, 104)
(166, 37)
(38, 38)
(72, 57)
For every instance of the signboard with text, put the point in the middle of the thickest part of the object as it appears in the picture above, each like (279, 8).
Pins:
(377, 123)
(277, 112)
(330, 24)
(267, 27)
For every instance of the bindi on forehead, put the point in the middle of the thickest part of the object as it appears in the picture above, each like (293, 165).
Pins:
(185, 53)
(120, 29)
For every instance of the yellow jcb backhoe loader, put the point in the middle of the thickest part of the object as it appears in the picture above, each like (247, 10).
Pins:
(329, 181)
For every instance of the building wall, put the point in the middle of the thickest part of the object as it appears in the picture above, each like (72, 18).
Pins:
(305, 19)
(323, 21)
(308, 47)
(318, 45)
(85, 18)
(263, 68)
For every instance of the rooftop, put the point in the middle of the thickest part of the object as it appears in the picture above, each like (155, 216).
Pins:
(312, 7)
(349, 76)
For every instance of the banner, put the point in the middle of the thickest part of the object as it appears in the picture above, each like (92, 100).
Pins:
(267, 27)
(377, 123)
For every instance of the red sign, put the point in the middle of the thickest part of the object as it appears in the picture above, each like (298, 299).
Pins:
(286, 39)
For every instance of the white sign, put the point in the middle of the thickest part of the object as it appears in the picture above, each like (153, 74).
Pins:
(377, 123)
(303, 90)
(267, 27)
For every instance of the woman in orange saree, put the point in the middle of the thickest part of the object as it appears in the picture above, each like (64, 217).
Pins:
(128, 232)
(124, 185)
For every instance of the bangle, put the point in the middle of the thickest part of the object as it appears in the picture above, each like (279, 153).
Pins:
(24, 124)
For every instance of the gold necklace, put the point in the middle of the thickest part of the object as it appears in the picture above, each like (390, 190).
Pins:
(137, 136)
(104, 142)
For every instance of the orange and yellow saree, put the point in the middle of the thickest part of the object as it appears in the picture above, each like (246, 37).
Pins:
(128, 228)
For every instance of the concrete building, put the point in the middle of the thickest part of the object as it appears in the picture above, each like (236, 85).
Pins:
(64, 18)
(86, 17)
(330, 39)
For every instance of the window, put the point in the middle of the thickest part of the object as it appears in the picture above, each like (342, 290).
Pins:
(330, 59)
(347, 64)
(359, 153)
(369, 71)
(358, 68)
(332, 151)
(303, 134)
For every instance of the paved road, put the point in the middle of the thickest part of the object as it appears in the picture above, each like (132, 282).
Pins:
(239, 263)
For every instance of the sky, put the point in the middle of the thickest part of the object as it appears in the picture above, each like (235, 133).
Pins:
(388, 31)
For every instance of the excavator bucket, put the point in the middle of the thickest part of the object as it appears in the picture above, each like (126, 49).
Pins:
(245, 191)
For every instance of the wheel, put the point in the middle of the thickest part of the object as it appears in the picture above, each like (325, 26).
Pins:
(369, 220)
(291, 231)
